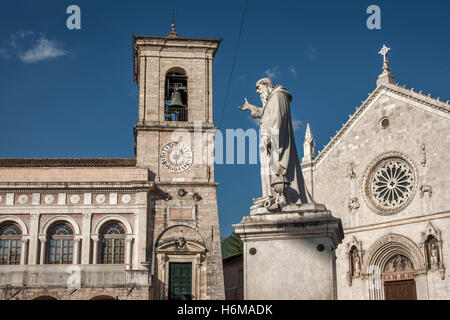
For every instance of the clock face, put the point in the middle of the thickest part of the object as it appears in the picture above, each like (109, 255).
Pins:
(176, 157)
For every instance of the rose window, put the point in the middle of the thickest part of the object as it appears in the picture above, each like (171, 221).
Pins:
(390, 185)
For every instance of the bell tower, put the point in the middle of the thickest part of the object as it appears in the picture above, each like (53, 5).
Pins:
(174, 139)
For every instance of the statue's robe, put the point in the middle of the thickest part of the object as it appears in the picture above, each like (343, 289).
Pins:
(281, 155)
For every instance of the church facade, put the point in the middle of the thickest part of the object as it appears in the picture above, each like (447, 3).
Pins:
(385, 175)
(143, 228)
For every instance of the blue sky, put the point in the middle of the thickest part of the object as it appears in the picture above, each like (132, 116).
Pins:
(73, 95)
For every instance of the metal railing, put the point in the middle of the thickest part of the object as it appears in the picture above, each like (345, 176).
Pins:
(176, 114)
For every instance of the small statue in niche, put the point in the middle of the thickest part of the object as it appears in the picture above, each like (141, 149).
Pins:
(355, 262)
(434, 255)
(432, 252)
(351, 171)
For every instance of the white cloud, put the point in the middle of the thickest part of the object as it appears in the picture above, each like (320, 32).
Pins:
(32, 48)
(292, 70)
(296, 124)
(43, 50)
(273, 72)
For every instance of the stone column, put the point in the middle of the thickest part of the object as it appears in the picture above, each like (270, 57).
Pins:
(76, 250)
(95, 240)
(198, 266)
(129, 254)
(34, 243)
(140, 227)
(43, 240)
(23, 251)
(86, 242)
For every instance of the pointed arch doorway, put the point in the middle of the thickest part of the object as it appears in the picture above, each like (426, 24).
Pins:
(395, 270)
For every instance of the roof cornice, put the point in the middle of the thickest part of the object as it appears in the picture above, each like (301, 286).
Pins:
(76, 162)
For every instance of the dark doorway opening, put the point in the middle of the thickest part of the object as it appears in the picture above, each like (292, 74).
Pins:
(180, 281)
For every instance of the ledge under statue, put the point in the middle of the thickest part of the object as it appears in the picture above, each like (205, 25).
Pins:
(289, 239)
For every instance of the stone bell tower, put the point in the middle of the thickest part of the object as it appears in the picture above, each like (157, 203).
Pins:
(175, 140)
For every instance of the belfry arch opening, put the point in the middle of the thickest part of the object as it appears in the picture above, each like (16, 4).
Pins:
(176, 95)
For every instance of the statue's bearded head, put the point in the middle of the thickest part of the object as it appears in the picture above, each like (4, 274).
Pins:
(264, 88)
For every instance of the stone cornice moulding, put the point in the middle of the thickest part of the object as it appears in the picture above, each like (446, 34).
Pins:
(74, 187)
(263, 227)
(393, 91)
(187, 183)
(398, 222)
(170, 126)
(67, 162)
(172, 55)
(181, 42)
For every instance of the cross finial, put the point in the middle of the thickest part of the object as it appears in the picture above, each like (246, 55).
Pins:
(385, 76)
(172, 21)
(384, 51)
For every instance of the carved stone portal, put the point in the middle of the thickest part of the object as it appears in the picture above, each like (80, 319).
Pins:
(181, 244)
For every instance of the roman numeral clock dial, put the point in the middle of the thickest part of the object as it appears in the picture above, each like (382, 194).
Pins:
(176, 157)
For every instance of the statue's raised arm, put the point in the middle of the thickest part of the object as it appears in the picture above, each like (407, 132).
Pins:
(256, 111)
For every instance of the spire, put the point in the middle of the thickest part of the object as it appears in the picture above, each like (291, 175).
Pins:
(172, 20)
(308, 134)
(385, 76)
(308, 146)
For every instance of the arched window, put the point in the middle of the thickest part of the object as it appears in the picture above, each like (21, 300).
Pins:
(113, 244)
(60, 249)
(176, 96)
(10, 244)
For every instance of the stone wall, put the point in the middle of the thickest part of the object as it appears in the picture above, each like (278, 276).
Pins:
(417, 131)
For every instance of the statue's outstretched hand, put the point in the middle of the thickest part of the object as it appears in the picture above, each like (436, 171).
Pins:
(246, 106)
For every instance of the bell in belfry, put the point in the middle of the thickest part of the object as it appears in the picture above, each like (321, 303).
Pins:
(176, 102)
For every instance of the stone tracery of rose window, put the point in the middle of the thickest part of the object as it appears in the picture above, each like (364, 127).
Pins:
(392, 183)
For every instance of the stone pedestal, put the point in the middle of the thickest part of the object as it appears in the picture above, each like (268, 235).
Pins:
(290, 254)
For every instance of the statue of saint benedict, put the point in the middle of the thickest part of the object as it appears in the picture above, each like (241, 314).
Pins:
(278, 153)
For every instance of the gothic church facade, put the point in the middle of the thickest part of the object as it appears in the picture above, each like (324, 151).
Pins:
(385, 175)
